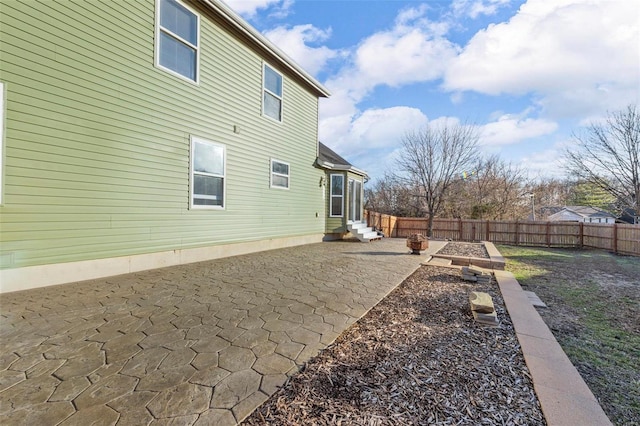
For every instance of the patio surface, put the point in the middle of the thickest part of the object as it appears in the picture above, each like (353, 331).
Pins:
(197, 344)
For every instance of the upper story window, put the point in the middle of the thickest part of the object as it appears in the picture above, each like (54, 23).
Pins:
(272, 93)
(279, 174)
(207, 174)
(177, 39)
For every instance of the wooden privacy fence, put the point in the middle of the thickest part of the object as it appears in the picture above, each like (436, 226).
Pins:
(618, 238)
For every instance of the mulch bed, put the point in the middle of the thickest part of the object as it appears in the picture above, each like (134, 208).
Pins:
(465, 249)
(416, 358)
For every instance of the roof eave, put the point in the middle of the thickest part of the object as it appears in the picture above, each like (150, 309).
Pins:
(241, 25)
(338, 167)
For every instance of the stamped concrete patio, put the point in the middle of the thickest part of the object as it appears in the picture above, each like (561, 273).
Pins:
(199, 344)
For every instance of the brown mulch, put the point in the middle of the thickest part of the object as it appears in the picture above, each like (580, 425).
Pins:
(416, 358)
(465, 249)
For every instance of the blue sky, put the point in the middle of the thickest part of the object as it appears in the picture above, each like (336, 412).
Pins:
(528, 73)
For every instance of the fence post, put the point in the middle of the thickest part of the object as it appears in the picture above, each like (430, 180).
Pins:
(548, 236)
(487, 234)
(517, 241)
(615, 238)
(459, 229)
(387, 228)
(581, 234)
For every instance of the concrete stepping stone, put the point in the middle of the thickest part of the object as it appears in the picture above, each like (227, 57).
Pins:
(482, 308)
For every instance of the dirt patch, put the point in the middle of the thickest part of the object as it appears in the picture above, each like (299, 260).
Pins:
(416, 358)
(593, 300)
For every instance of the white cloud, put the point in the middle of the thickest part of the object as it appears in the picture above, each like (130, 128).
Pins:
(547, 163)
(509, 129)
(564, 51)
(295, 43)
(413, 50)
(249, 8)
(373, 129)
(475, 8)
(403, 56)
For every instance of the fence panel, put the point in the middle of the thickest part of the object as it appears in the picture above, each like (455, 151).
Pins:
(447, 229)
(628, 239)
(405, 226)
(503, 232)
(619, 238)
(598, 236)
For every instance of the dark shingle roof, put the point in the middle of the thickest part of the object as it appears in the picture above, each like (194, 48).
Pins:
(327, 154)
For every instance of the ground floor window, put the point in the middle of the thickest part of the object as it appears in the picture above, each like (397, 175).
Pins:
(279, 174)
(337, 196)
(207, 174)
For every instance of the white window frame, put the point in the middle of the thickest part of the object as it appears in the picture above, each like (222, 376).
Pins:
(265, 90)
(288, 175)
(2, 115)
(192, 173)
(160, 29)
(332, 196)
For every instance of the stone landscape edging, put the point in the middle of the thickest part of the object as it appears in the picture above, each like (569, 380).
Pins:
(565, 399)
(495, 260)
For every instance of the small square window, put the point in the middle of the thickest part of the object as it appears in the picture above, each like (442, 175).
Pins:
(177, 38)
(207, 174)
(272, 93)
(279, 174)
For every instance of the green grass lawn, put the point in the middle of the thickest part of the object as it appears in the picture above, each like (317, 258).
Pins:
(593, 300)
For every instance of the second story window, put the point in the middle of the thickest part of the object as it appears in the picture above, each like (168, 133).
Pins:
(177, 39)
(272, 93)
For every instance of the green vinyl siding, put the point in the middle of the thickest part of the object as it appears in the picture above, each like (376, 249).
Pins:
(97, 137)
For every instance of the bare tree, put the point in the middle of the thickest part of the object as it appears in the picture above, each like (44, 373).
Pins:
(495, 190)
(608, 156)
(391, 196)
(433, 158)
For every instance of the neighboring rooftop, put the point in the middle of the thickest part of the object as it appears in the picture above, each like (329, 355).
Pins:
(587, 211)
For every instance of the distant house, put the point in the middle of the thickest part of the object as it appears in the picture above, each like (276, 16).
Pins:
(629, 216)
(582, 214)
(142, 134)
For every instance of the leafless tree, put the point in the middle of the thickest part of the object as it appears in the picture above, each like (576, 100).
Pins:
(608, 156)
(433, 158)
(493, 190)
(390, 195)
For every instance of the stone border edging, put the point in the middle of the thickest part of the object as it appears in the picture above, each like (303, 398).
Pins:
(565, 398)
(495, 260)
